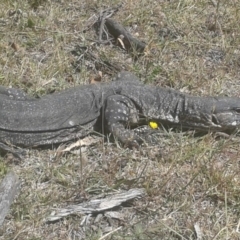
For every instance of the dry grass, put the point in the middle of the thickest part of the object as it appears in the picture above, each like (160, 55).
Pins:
(191, 181)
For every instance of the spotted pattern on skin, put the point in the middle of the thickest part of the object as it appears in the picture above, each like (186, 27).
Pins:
(12, 93)
(120, 112)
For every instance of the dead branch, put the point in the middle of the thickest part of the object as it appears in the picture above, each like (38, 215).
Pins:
(9, 189)
(103, 15)
(117, 30)
(97, 205)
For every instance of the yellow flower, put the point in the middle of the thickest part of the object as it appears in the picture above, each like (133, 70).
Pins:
(153, 125)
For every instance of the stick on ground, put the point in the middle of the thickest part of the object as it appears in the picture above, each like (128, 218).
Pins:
(98, 205)
(9, 189)
(130, 43)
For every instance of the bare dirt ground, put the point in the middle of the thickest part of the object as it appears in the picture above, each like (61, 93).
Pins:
(192, 183)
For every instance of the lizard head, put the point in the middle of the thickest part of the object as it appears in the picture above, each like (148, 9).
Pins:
(227, 113)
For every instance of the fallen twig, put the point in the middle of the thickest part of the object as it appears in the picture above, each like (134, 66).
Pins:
(97, 205)
(103, 15)
(106, 235)
(9, 189)
(106, 13)
(118, 31)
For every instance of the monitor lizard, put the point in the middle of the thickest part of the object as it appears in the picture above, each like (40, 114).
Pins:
(124, 102)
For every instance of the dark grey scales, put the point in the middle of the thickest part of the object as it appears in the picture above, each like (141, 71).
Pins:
(124, 102)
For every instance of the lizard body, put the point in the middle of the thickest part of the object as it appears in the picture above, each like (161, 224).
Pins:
(73, 113)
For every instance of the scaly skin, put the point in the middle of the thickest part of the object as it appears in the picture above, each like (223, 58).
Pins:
(125, 102)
